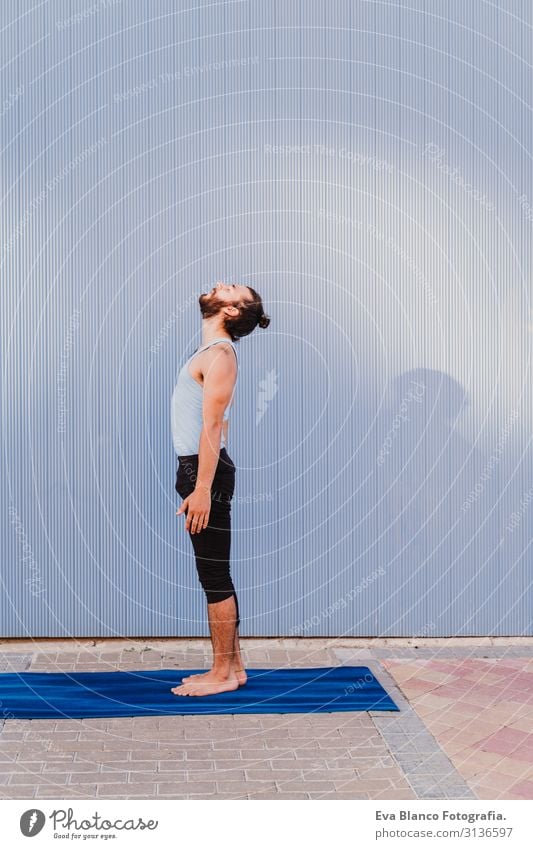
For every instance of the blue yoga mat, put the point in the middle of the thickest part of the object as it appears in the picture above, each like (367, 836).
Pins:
(81, 695)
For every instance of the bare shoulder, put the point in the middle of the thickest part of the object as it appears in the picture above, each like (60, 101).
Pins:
(218, 360)
(224, 349)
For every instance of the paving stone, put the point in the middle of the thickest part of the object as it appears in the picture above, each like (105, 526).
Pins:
(61, 766)
(291, 795)
(459, 791)
(22, 791)
(270, 775)
(178, 777)
(28, 766)
(431, 795)
(251, 787)
(98, 777)
(213, 775)
(129, 791)
(391, 772)
(326, 752)
(394, 794)
(14, 662)
(366, 752)
(192, 765)
(81, 792)
(247, 755)
(172, 789)
(24, 778)
(313, 785)
(242, 744)
(336, 775)
(222, 770)
(151, 765)
(384, 746)
(125, 766)
(278, 764)
(163, 751)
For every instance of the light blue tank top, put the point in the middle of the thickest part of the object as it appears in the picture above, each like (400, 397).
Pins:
(186, 409)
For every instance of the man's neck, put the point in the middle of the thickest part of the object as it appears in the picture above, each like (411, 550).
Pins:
(210, 333)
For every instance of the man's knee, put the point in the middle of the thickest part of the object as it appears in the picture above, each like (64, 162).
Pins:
(214, 596)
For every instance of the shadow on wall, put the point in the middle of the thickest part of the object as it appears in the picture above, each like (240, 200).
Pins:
(435, 494)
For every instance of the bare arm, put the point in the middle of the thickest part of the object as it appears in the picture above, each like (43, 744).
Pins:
(220, 376)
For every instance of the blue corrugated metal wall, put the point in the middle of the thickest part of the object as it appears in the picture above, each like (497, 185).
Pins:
(367, 167)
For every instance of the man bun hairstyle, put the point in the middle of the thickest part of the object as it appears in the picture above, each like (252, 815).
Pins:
(251, 315)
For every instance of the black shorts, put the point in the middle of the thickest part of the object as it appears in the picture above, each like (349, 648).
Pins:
(212, 544)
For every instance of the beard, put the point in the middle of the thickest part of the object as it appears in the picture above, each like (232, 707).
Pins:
(209, 304)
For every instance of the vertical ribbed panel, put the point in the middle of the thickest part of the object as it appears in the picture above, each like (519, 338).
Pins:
(366, 166)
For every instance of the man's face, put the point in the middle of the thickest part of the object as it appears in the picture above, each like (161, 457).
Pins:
(223, 294)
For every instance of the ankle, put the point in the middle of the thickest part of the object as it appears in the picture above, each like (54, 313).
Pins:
(222, 670)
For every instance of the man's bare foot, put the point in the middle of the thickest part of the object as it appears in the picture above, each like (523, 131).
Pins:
(240, 674)
(208, 685)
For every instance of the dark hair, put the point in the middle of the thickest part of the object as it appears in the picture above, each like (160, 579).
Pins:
(251, 315)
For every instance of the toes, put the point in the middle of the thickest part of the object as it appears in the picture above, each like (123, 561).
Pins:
(192, 691)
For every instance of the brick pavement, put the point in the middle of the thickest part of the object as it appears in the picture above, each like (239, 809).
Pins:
(480, 711)
(362, 755)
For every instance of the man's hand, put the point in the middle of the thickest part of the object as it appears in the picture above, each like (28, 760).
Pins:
(198, 506)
